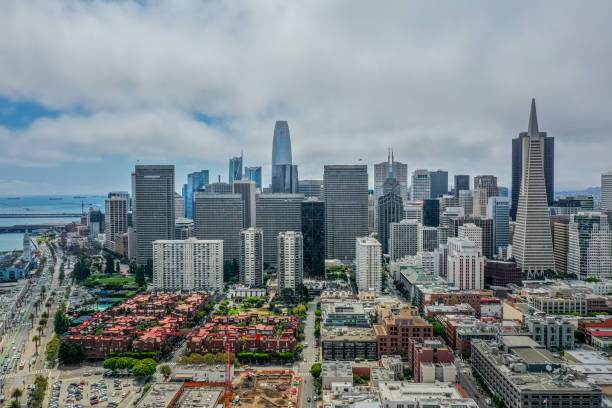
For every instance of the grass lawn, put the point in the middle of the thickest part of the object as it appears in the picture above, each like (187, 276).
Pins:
(115, 279)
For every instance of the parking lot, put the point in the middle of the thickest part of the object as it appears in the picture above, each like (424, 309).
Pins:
(94, 390)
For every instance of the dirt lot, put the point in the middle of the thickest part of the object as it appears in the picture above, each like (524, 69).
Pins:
(265, 390)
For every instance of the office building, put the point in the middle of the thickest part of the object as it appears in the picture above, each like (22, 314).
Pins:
(183, 228)
(154, 207)
(427, 239)
(484, 187)
(122, 194)
(572, 205)
(439, 183)
(346, 209)
(253, 173)
(503, 191)
(561, 244)
(219, 217)
(431, 212)
(501, 273)
(394, 333)
(251, 257)
(462, 182)
(191, 265)
(284, 172)
(446, 201)
(390, 209)
(532, 242)
(465, 264)
(404, 239)
(371, 214)
(115, 220)
(219, 188)
(277, 213)
(471, 232)
(518, 155)
(195, 182)
(413, 212)
(498, 210)
(368, 265)
(290, 263)
(450, 212)
(466, 200)
(485, 224)
(421, 185)
(606, 191)
(95, 223)
(311, 188)
(247, 190)
(442, 236)
(179, 206)
(590, 251)
(235, 169)
(313, 233)
(554, 333)
(381, 173)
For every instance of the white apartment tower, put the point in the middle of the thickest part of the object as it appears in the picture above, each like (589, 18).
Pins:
(589, 246)
(290, 247)
(471, 232)
(251, 257)
(190, 265)
(404, 239)
(606, 191)
(421, 185)
(368, 252)
(532, 243)
(115, 220)
(465, 264)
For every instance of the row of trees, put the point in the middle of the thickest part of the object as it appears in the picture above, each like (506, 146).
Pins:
(70, 353)
(61, 322)
(38, 395)
(207, 359)
(140, 367)
(142, 272)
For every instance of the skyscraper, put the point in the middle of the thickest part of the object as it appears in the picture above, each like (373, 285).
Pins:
(284, 172)
(346, 209)
(431, 212)
(502, 191)
(154, 207)
(122, 194)
(589, 253)
(532, 242)
(195, 182)
(439, 183)
(465, 264)
(485, 224)
(290, 264)
(219, 216)
(191, 264)
(179, 206)
(471, 232)
(421, 185)
(277, 213)
(499, 211)
(404, 239)
(235, 169)
(313, 232)
(427, 239)
(115, 220)
(254, 174)
(368, 265)
(219, 188)
(484, 187)
(462, 182)
(246, 189)
(251, 257)
(390, 207)
(606, 191)
(518, 155)
(310, 188)
(466, 200)
(381, 173)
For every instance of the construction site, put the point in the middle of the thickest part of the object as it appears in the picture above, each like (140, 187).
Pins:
(266, 390)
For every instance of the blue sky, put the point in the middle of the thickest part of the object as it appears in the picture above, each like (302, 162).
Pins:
(88, 89)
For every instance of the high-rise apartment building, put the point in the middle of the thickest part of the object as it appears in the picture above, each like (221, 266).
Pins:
(122, 194)
(253, 173)
(235, 169)
(277, 213)
(462, 182)
(310, 188)
(498, 210)
(179, 206)
(183, 228)
(431, 212)
(95, 223)
(518, 156)
(219, 216)
(421, 185)
(590, 251)
(188, 265)
(473, 233)
(115, 220)
(247, 190)
(428, 238)
(284, 172)
(465, 264)
(290, 263)
(606, 191)
(368, 263)
(439, 183)
(532, 241)
(390, 209)
(485, 224)
(346, 209)
(313, 233)
(195, 182)
(251, 257)
(404, 239)
(484, 187)
(466, 200)
(154, 207)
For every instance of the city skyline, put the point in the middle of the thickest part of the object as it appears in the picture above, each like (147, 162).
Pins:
(169, 105)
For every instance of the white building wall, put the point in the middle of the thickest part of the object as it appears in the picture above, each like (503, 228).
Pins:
(368, 264)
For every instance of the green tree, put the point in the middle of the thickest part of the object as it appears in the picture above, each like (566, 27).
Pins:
(70, 353)
(109, 264)
(118, 267)
(32, 319)
(149, 269)
(579, 336)
(61, 322)
(17, 393)
(165, 370)
(438, 330)
(315, 370)
(53, 348)
(140, 276)
(15, 404)
(144, 367)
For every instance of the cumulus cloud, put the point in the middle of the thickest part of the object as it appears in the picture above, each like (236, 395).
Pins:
(445, 84)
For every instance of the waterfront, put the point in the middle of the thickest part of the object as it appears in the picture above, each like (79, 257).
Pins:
(9, 242)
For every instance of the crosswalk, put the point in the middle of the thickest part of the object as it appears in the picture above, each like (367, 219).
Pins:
(24, 374)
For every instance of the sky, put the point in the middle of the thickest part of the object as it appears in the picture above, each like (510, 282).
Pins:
(90, 88)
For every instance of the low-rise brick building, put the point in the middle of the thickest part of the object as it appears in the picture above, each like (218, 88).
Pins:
(394, 333)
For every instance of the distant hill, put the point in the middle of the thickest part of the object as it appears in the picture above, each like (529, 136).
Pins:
(594, 191)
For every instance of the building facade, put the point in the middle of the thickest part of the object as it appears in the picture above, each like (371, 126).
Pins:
(427, 239)
(439, 183)
(313, 233)
(195, 182)
(404, 239)
(115, 220)
(484, 187)
(431, 213)
(421, 185)
(251, 257)
(368, 265)
(284, 172)
(311, 188)
(465, 264)
(466, 200)
(290, 260)
(390, 209)
(498, 210)
(606, 191)
(235, 169)
(247, 190)
(462, 182)
(253, 173)
(589, 246)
